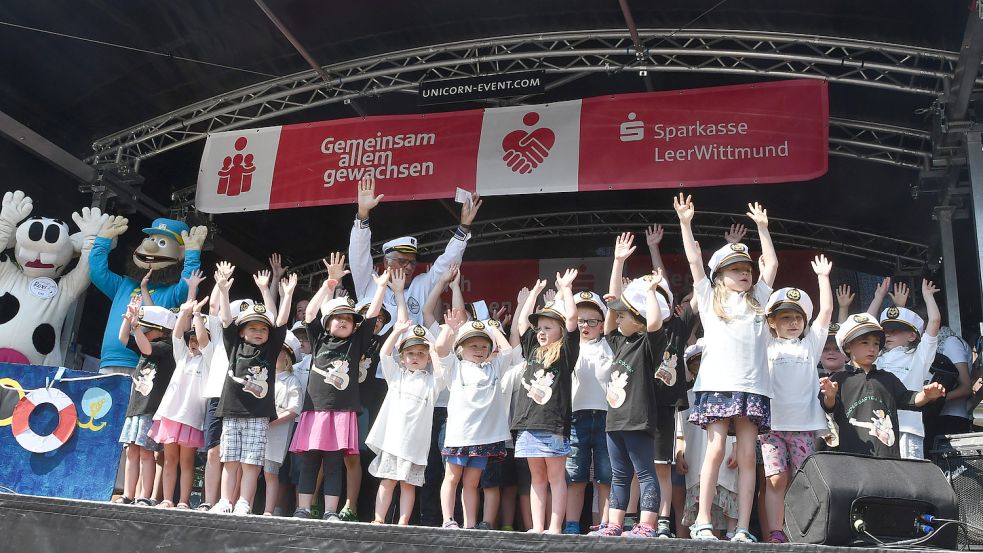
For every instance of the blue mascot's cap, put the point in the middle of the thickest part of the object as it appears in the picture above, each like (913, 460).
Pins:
(168, 227)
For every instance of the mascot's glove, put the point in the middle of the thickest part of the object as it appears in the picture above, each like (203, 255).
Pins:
(16, 207)
(113, 226)
(195, 239)
(90, 222)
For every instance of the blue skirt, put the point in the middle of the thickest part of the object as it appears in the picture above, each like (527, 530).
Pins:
(714, 406)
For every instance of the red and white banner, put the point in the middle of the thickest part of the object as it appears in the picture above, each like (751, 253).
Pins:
(760, 133)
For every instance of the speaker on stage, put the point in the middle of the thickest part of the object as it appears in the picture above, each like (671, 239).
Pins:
(960, 456)
(846, 499)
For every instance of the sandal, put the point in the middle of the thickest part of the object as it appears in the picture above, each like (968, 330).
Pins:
(203, 507)
(145, 502)
(702, 532)
(744, 536)
(165, 504)
(123, 500)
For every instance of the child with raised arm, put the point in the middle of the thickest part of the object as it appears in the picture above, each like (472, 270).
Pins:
(328, 427)
(793, 352)
(253, 338)
(401, 435)
(733, 386)
(180, 417)
(908, 354)
(152, 340)
(541, 415)
(864, 399)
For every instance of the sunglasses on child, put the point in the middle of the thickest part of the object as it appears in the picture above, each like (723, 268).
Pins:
(589, 322)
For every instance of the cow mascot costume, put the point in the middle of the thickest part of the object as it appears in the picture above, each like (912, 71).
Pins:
(168, 246)
(34, 296)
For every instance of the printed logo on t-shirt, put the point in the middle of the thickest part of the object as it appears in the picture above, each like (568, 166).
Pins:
(143, 382)
(880, 427)
(363, 368)
(335, 374)
(666, 373)
(616, 394)
(540, 389)
(255, 381)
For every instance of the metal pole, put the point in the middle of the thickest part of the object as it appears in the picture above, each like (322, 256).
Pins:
(974, 154)
(943, 214)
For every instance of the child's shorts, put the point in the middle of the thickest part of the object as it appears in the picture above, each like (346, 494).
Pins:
(710, 407)
(785, 451)
(500, 473)
(541, 443)
(272, 467)
(474, 456)
(136, 430)
(665, 435)
(212, 426)
(588, 446)
(244, 440)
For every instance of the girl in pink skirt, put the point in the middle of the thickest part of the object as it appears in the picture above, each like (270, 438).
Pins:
(328, 427)
(179, 419)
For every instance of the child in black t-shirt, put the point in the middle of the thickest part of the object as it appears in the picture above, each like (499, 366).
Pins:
(152, 375)
(248, 402)
(328, 427)
(863, 399)
(634, 330)
(541, 416)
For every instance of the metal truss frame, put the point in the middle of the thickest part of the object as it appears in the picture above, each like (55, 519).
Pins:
(903, 256)
(886, 66)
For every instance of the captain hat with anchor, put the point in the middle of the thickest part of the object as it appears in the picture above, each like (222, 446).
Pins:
(634, 299)
(339, 306)
(403, 244)
(252, 312)
(155, 316)
(790, 298)
(593, 299)
(728, 255)
(167, 227)
(291, 344)
(415, 335)
(856, 326)
(902, 318)
(478, 328)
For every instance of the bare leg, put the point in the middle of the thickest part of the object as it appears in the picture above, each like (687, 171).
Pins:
(230, 477)
(747, 439)
(506, 508)
(489, 509)
(537, 493)
(775, 497)
(131, 471)
(469, 496)
(187, 460)
(383, 499)
(172, 455)
(663, 472)
(407, 496)
(158, 475)
(148, 470)
(764, 519)
(353, 476)
(272, 491)
(250, 476)
(575, 500)
(679, 505)
(603, 496)
(716, 444)
(448, 489)
(213, 475)
(556, 468)
(525, 509)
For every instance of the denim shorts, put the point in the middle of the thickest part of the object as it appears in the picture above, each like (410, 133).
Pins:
(467, 462)
(541, 443)
(588, 442)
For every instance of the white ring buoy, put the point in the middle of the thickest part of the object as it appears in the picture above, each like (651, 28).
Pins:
(67, 417)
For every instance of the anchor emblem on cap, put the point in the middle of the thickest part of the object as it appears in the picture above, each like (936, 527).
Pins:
(794, 294)
(893, 312)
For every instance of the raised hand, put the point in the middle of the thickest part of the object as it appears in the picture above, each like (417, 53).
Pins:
(113, 226)
(262, 279)
(623, 246)
(339, 292)
(16, 207)
(502, 315)
(822, 266)
(146, 278)
(933, 390)
(335, 264)
(89, 221)
(658, 275)
(225, 268)
(625, 281)
(469, 209)
(758, 214)
(844, 295)
(828, 387)
(928, 288)
(899, 294)
(549, 295)
(653, 235)
(882, 288)
(200, 305)
(538, 288)
(452, 277)
(735, 234)
(288, 284)
(186, 307)
(401, 325)
(196, 278)
(383, 279)
(684, 207)
(367, 199)
(398, 280)
(455, 318)
(132, 311)
(195, 239)
(276, 267)
(566, 279)
(521, 298)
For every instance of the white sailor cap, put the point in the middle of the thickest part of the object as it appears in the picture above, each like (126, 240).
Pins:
(292, 345)
(856, 326)
(694, 350)
(728, 255)
(790, 298)
(592, 299)
(155, 316)
(339, 306)
(552, 309)
(634, 298)
(238, 306)
(477, 328)
(253, 312)
(414, 336)
(478, 310)
(362, 308)
(403, 244)
(902, 317)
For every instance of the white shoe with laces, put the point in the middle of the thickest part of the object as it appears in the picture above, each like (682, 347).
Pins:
(222, 506)
(242, 508)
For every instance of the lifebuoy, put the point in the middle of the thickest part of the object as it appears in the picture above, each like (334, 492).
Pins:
(67, 417)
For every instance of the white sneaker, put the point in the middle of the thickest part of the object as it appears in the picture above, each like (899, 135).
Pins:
(242, 508)
(222, 506)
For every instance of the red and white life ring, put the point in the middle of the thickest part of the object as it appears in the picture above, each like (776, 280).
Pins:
(67, 417)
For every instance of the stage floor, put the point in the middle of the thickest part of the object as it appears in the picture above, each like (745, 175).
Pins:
(37, 524)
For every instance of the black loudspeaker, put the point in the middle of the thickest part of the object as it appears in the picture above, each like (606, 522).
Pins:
(960, 456)
(846, 499)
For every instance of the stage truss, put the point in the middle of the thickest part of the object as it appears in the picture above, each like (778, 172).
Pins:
(902, 256)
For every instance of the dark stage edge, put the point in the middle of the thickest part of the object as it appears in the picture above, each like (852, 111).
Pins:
(31, 524)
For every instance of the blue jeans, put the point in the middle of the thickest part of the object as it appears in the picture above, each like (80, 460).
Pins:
(588, 443)
(633, 452)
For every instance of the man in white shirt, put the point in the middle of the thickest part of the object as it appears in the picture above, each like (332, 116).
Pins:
(401, 253)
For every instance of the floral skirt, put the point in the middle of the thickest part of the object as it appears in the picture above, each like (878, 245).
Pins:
(494, 451)
(714, 406)
(724, 506)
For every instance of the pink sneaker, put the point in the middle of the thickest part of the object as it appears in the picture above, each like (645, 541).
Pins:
(608, 530)
(642, 530)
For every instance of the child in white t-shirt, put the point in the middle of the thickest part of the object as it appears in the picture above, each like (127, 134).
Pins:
(400, 437)
(288, 397)
(733, 387)
(796, 415)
